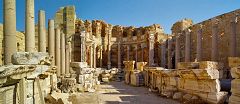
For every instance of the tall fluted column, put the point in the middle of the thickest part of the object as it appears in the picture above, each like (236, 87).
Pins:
(29, 27)
(199, 44)
(109, 45)
(233, 41)
(51, 40)
(169, 62)
(9, 30)
(214, 54)
(151, 50)
(119, 55)
(63, 54)
(41, 31)
(163, 54)
(177, 51)
(58, 51)
(188, 46)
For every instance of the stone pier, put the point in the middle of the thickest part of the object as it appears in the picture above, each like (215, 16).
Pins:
(29, 27)
(9, 30)
(51, 40)
(83, 47)
(63, 54)
(199, 44)
(214, 53)
(188, 46)
(58, 51)
(41, 31)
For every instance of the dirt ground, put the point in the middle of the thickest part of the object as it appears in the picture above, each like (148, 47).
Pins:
(118, 93)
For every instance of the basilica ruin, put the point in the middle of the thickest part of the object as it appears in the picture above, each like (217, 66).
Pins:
(198, 63)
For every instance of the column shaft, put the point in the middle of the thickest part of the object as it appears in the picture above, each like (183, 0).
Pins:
(94, 55)
(41, 31)
(9, 30)
(233, 40)
(51, 40)
(58, 51)
(29, 27)
(199, 45)
(169, 53)
(188, 46)
(128, 52)
(63, 54)
(68, 47)
(151, 50)
(163, 54)
(83, 47)
(101, 56)
(214, 54)
(119, 56)
(177, 51)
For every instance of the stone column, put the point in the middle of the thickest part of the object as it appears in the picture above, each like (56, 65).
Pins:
(51, 40)
(58, 51)
(29, 27)
(169, 54)
(163, 54)
(119, 55)
(9, 30)
(41, 31)
(63, 54)
(214, 53)
(68, 47)
(151, 50)
(83, 47)
(109, 46)
(188, 46)
(101, 49)
(23, 91)
(142, 55)
(128, 52)
(199, 44)
(91, 55)
(136, 56)
(233, 37)
(94, 55)
(177, 50)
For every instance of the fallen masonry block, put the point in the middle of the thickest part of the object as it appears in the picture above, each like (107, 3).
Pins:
(234, 99)
(78, 64)
(188, 65)
(199, 74)
(31, 58)
(129, 65)
(141, 65)
(235, 86)
(68, 85)
(235, 72)
(210, 65)
(137, 78)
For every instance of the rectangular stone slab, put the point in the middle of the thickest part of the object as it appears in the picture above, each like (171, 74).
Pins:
(235, 86)
(210, 65)
(235, 72)
(78, 64)
(233, 61)
(234, 99)
(30, 58)
(188, 65)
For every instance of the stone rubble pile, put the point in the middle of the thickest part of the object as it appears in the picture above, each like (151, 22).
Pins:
(110, 75)
(234, 63)
(192, 82)
(33, 81)
(86, 78)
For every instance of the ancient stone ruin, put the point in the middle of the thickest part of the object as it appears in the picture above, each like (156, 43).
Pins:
(197, 63)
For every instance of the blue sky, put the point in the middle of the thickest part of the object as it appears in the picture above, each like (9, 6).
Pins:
(132, 12)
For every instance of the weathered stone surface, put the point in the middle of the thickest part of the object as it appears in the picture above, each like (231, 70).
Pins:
(30, 58)
(178, 95)
(235, 87)
(210, 65)
(199, 74)
(68, 85)
(6, 95)
(235, 72)
(233, 61)
(188, 65)
(136, 78)
(234, 99)
(129, 65)
(199, 85)
(141, 65)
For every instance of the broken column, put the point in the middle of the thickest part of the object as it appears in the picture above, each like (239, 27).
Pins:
(214, 53)
(9, 30)
(41, 31)
(51, 40)
(58, 51)
(233, 38)
(188, 46)
(29, 27)
(199, 43)
(151, 50)
(177, 50)
(63, 53)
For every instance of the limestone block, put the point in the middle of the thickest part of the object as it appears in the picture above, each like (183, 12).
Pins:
(235, 72)
(199, 85)
(84, 70)
(127, 77)
(30, 58)
(233, 61)
(141, 65)
(68, 85)
(6, 95)
(78, 64)
(186, 74)
(188, 65)
(178, 96)
(234, 99)
(40, 69)
(199, 74)
(129, 65)
(212, 98)
(210, 65)
(136, 79)
(235, 87)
